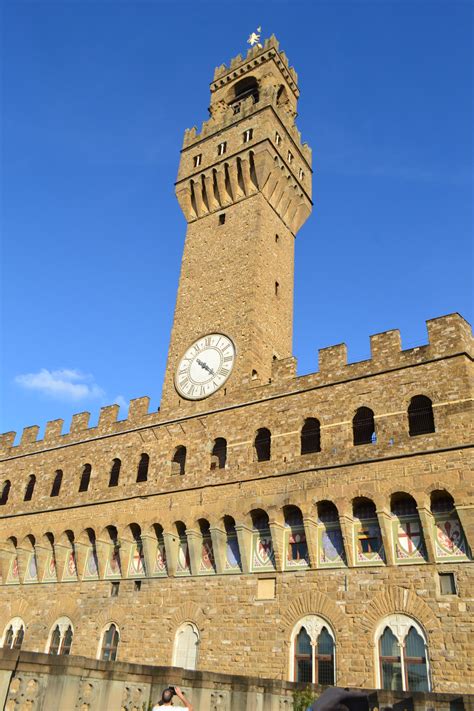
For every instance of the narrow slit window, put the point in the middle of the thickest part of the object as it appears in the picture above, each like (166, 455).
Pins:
(290, 157)
(277, 138)
(222, 148)
(248, 135)
(197, 160)
(222, 218)
(277, 288)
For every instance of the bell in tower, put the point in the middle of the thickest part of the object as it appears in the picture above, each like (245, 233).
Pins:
(244, 185)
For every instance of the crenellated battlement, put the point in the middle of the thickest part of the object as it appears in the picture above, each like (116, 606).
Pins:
(256, 55)
(447, 336)
(223, 113)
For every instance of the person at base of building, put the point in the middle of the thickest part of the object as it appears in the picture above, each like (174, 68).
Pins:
(167, 698)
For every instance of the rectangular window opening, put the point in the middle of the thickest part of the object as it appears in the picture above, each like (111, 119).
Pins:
(277, 238)
(290, 157)
(277, 138)
(301, 174)
(137, 586)
(447, 584)
(277, 288)
(114, 589)
(222, 218)
(221, 148)
(248, 134)
(197, 160)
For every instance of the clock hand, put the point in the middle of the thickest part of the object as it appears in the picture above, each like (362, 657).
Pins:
(205, 366)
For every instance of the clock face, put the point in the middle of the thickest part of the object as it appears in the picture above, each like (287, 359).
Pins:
(205, 366)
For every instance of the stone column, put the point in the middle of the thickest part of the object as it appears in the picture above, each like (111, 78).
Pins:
(171, 542)
(278, 542)
(194, 539)
(347, 528)
(219, 546)
(385, 523)
(311, 530)
(426, 521)
(244, 537)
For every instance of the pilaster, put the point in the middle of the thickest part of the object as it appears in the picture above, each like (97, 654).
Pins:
(245, 538)
(385, 523)
(311, 530)
(219, 546)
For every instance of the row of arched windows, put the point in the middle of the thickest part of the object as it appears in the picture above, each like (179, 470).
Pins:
(400, 644)
(420, 421)
(319, 542)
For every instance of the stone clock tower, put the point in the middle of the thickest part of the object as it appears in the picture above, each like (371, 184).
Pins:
(244, 185)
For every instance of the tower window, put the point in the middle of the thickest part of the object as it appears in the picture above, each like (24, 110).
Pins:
(142, 470)
(277, 138)
(248, 135)
(363, 426)
(301, 174)
(420, 416)
(178, 463)
(197, 160)
(30, 487)
(277, 238)
(114, 589)
(85, 477)
(221, 148)
(58, 478)
(277, 287)
(290, 157)
(447, 584)
(222, 218)
(262, 445)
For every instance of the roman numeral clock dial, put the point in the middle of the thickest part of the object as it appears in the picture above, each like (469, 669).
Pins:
(205, 366)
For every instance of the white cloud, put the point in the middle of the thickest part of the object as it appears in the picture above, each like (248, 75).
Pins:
(120, 400)
(66, 384)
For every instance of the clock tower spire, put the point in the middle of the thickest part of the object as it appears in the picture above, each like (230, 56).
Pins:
(244, 185)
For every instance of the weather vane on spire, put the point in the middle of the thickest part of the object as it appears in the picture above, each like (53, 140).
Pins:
(254, 38)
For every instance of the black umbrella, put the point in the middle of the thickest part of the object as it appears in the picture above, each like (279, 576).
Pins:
(334, 696)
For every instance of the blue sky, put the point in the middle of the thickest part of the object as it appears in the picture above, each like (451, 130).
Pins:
(95, 100)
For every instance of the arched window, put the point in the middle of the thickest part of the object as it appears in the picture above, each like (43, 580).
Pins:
(295, 539)
(85, 477)
(263, 557)
(13, 634)
(312, 652)
(331, 543)
(30, 487)
(232, 561)
(60, 637)
(109, 643)
(450, 542)
(143, 464)
(367, 534)
(183, 565)
(115, 472)
(420, 416)
(186, 645)
(207, 563)
(57, 481)
(408, 534)
(263, 445)
(219, 453)
(363, 426)
(402, 655)
(178, 463)
(5, 492)
(311, 436)
(244, 88)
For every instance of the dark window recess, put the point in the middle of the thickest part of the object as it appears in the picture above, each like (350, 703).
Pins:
(178, 463)
(143, 464)
(219, 453)
(115, 472)
(114, 589)
(363, 426)
(311, 436)
(222, 218)
(447, 584)
(85, 477)
(420, 416)
(30, 487)
(57, 481)
(5, 493)
(277, 288)
(263, 443)
(137, 586)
